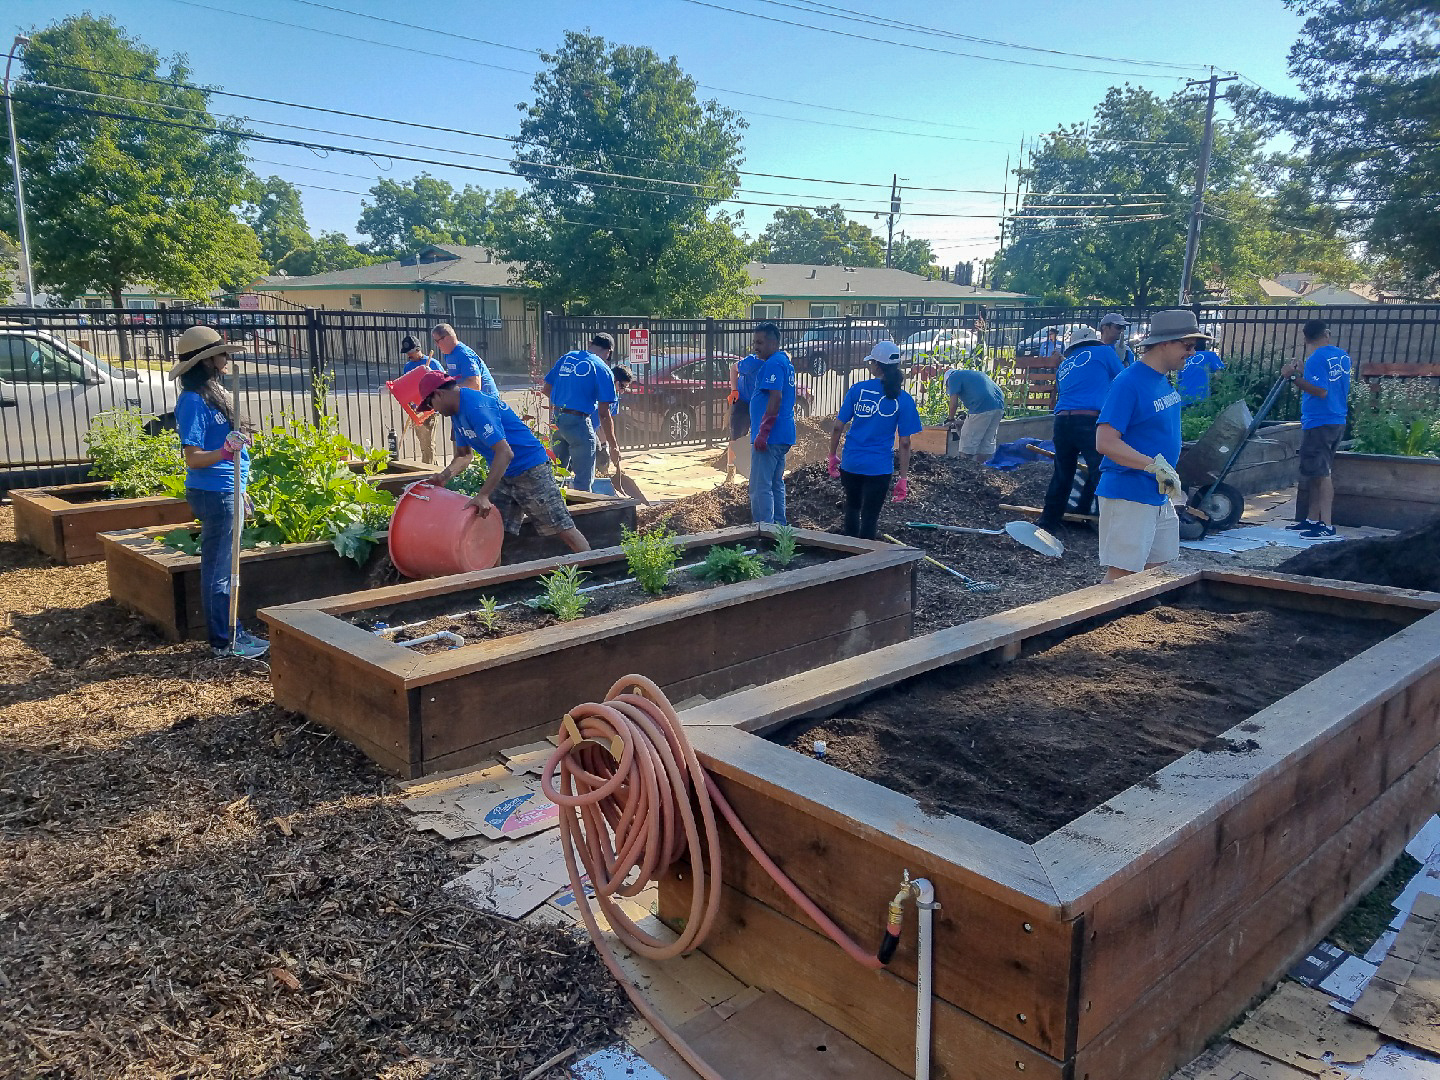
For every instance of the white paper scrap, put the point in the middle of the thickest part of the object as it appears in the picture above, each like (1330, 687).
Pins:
(617, 1062)
(1349, 980)
(1425, 841)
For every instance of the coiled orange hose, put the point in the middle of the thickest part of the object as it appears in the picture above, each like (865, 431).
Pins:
(629, 784)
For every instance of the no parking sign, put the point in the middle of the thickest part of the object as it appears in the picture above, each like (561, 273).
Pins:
(639, 346)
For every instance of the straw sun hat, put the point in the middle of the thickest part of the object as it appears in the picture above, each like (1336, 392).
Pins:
(196, 344)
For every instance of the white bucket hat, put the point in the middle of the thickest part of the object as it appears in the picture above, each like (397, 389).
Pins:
(196, 344)
(1081, 335)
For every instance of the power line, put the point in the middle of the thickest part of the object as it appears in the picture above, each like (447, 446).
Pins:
(925, 48)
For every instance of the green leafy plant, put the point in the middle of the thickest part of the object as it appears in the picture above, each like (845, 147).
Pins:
(934, 404)
(185, 541)
(133, 462)
(651, 556)
(785, 545)
(729, 565)
(562, 596)
(472, 479)
(1403, 431)
(487, 614)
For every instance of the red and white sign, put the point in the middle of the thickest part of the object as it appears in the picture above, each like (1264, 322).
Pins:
(639, 346)
(248, 301)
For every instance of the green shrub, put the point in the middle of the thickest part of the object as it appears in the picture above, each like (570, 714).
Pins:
(729, 565)
(651, 556)
(562, 596)
(135, 464)
(472, 479)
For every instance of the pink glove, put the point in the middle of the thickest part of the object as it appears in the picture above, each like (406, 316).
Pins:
(233, 442)
(834, 467)
(762, 437)
(902, 489)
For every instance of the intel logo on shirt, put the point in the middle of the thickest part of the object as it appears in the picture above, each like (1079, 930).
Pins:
(1339, 370)
(468, 433)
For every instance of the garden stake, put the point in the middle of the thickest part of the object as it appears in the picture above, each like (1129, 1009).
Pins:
(237, 526)
(971, 585)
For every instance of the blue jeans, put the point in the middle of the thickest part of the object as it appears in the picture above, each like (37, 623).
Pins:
(216, 511)
(575, 448)
(767, 484)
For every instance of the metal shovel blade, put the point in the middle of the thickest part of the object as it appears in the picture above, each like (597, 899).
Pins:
(1035, 538)
(630, 489)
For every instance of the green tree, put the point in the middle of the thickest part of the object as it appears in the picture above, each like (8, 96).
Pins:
(396, 209)
(1078, 233)
(328, 251)
(1368, 123)
(822, 237)
(272, 209)
(913, 254)
(625, 167)
(125, 201)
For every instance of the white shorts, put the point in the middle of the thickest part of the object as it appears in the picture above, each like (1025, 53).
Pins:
(979, 432)
(1136, 535)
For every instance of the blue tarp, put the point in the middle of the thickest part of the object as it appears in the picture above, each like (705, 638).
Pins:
(1012, 455)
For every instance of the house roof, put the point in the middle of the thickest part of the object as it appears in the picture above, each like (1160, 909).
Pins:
(436, 266)
(1275, 291)
(801, 280)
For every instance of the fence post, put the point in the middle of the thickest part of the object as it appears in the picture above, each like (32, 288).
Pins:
(315, 339)
(710, 408)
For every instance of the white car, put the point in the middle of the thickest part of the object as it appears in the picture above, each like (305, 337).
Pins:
(937, 344)
(50, 390)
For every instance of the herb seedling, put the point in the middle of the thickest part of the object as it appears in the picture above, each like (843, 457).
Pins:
(784, 544)
(562, 596)
(729, 565)
(487, 615)
(651, 556)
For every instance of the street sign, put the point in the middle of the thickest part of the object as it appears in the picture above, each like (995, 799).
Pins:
(248, 301)
(639, 346)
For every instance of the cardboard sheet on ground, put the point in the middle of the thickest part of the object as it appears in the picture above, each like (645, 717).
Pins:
(1296, 1025)
(1403, 999)
(1394, 1062)
(1230, 1061)
(510, 813)
(1225, 543)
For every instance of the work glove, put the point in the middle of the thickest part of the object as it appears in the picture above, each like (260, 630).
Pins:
(234, 442)
(902, 489)
(734, 397)
(762, 437)
(1166, 478)
(834, 467)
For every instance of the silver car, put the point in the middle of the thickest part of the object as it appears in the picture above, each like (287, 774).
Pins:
(50, 389)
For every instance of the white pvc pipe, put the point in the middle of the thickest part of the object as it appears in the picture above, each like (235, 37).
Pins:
(924, 985)
(443, 635)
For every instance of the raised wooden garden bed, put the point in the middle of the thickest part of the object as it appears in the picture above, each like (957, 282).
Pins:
(417, 713)
(163, 585)
(1116, 945)
(65, 522)
(1385, 491)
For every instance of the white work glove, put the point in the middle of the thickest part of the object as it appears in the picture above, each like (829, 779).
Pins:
(1166, 478)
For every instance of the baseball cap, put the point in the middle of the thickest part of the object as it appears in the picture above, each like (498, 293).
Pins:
(408, 345)
(429, 383)
(1114, 319)
(884, 352)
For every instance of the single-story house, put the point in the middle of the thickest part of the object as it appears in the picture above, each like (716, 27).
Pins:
(801, 291)
(136, 298)
(1310, 289)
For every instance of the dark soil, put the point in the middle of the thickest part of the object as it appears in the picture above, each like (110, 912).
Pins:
(812, 444)
(1409, 560)
(1026, 747)
(946, 491)
(195, 883)
(519, 617)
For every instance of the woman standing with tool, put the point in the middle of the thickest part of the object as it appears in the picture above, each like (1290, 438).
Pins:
(217, 466)
(877, 410)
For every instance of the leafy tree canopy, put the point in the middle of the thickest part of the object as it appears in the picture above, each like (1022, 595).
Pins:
(822, 237)
(625, 167)
(401, 217)
(913, 254)
(125, 201)
(272, 209)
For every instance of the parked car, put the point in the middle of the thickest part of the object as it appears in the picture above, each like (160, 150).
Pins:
(679, 396)
(50, 389)
(836, 348)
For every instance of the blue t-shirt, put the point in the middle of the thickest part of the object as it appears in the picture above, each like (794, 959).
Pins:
(1145, 409)
(1051, 348)
(1329, 367)
(745, 376)
(774, 374)
(462, 362)
(1083, 378)
(581, 381)
(484, 421)
(874, 422)
(1194, 379)
(424, 361)
(200, 424)
(976, 390)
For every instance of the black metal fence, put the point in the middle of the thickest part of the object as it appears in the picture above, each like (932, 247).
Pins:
(61, 367)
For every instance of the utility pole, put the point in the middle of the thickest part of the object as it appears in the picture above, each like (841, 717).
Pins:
(1004, 208)
(1197, 208)
(20, 40)
(894, 209)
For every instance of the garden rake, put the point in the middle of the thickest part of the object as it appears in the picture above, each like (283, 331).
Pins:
(971, 585)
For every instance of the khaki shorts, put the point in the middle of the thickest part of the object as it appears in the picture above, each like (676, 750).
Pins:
(979, 432)
(1317, 449)
(535, 493)
(1136, 535)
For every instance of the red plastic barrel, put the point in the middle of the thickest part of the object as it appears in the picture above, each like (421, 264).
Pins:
(434, 532)
(407, 392)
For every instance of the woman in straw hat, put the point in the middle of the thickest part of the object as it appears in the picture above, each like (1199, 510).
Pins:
(210, 436)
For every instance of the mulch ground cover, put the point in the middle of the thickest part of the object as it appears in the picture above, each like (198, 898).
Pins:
(945, 491)
(1408, 560)
(194, 883)
(1028, 746)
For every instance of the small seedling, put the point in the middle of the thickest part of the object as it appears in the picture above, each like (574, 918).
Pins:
(487, 614)
(562, 596)
(729, 565)
(651, 557)
(784, 545)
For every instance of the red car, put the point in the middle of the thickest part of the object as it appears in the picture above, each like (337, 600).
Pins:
(678, 397)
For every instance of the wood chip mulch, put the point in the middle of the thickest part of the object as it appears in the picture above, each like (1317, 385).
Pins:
(194, 883)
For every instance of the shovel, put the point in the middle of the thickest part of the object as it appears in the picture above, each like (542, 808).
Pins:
(971, 585)
(1024, 532)
(626, 486)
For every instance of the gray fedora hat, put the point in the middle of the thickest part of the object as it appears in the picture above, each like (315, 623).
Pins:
(1176, 324)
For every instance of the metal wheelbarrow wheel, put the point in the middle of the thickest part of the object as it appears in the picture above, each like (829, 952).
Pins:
(1223, 504)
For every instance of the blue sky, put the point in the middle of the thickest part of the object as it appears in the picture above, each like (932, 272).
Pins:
(960, 115)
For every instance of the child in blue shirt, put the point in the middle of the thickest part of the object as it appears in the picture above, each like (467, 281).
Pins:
(877, 410)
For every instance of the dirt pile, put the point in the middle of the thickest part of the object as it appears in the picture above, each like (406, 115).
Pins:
(1029, 746)
(812, 443)
(1409, 560)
